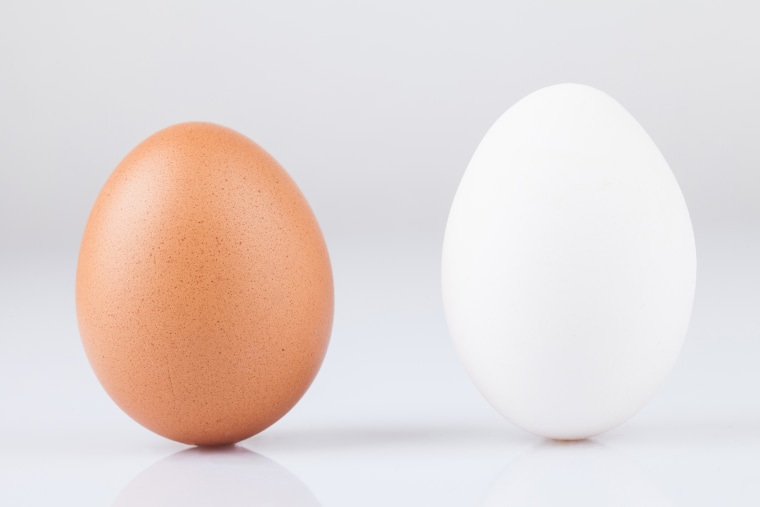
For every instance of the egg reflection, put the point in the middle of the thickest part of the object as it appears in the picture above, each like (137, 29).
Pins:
(574, 473)
(226, 476)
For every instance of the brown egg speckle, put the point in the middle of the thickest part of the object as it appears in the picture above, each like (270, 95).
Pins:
(204, 290)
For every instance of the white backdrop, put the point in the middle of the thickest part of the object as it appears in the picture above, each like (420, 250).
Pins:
(375, 110)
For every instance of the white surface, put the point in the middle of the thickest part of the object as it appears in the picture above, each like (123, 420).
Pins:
(568, 264)
(392, 418)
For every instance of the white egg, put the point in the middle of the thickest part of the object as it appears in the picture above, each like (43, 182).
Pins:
(569, 264)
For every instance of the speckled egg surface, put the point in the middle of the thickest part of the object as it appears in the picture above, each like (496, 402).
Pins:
(204, 290)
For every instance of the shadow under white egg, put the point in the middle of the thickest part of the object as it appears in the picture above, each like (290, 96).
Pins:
(574, 473)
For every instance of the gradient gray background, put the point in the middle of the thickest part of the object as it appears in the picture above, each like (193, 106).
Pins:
(375, 111)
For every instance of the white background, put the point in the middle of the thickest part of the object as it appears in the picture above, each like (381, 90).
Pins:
(375, 111)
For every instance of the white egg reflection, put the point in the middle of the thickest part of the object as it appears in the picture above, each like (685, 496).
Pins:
(574, 473)
(228, 476)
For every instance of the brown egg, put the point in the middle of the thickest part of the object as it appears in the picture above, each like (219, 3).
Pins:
(204, 290)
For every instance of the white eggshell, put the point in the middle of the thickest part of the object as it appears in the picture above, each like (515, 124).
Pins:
(568, 264)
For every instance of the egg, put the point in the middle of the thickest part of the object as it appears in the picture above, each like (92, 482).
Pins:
(569, 264)
(204, 290)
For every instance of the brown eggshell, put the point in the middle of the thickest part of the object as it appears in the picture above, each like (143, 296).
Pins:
(204, 290)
